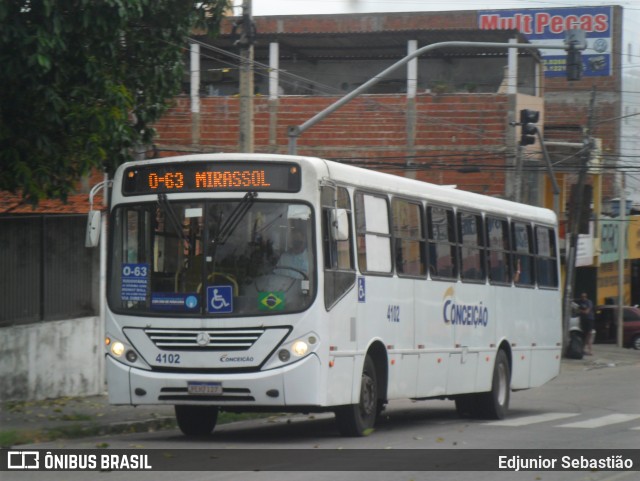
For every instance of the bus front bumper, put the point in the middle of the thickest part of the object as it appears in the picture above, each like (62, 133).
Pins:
(297, 384)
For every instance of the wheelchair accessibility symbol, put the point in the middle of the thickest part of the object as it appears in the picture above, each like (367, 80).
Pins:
(220, 299)
(362, 292)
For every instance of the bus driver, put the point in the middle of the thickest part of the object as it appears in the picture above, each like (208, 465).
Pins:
(295, 259)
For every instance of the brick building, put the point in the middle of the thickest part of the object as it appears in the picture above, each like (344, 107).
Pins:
(455, 127)
(457, 119)
(463, 110)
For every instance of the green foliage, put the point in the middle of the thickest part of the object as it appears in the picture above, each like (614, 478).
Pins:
(83, 80)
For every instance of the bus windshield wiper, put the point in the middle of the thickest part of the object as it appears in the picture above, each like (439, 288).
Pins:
(167, 208)
(234, 218)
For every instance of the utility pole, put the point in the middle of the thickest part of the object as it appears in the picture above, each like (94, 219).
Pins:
(412, 114)
(245, 42)
(195, 93)
(622, 237)
(574, 219)
(274, 95)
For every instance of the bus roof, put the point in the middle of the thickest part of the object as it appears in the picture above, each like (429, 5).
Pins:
(369, 179)
(403, 186)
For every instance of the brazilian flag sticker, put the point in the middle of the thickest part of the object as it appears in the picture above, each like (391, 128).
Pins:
(271, 301)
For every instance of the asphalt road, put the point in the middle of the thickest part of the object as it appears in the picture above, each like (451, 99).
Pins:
(589, 406)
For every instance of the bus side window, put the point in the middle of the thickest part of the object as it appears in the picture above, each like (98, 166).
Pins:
(372, 233)
(546, 257)
(338, 254)
(442, 243)
(498, 250)
(523, 254)
(472, 253)
(408, 235)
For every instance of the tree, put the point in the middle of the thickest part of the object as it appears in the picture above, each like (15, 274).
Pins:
(83, 81)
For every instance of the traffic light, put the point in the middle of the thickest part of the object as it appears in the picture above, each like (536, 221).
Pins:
(574, 63)
(528, 119)
(575, 40)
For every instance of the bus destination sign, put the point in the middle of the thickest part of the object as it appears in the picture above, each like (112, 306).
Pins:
(211, 177)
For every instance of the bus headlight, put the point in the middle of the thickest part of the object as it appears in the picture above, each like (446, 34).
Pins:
(294, 350)
(299, 348)
(123, 351)
(117, 348)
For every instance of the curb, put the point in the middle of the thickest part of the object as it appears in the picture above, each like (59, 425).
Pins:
(19, 436)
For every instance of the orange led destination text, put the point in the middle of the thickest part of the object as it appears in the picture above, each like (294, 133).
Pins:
(231, 178)
(170, 180)
(210, 180)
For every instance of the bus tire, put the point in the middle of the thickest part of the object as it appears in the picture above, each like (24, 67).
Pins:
(495, 403)
(196, 420)
(355, 420)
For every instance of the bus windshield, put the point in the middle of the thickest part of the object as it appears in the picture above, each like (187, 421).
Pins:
(212, 258)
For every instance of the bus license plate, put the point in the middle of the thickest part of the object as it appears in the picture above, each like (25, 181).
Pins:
(204, 388)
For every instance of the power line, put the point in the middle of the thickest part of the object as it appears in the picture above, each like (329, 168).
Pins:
(260, 68)
(385, 111)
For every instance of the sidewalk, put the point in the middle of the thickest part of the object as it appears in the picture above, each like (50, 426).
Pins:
(73, 417)
(39, 421)
(606, 355)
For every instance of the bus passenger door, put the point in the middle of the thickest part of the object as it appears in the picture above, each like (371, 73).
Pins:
(341, 294)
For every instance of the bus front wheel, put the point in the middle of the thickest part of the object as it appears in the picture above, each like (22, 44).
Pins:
(196, 420)
(356, 420)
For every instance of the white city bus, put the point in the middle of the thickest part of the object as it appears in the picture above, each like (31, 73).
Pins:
(295, 284)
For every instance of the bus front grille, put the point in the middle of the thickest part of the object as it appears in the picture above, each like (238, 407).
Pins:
(204, 339)
(228, 394)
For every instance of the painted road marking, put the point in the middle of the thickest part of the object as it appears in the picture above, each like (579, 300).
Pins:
(602, 421)
(538, 418)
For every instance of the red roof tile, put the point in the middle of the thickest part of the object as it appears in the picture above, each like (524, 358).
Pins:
(76, 203)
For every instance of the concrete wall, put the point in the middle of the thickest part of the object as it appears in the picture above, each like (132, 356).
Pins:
(339, 76)
(52, 359)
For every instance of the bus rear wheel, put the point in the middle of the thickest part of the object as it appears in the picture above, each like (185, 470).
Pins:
(495, 403)
(492, 404)
(357, 420)
(196, 420)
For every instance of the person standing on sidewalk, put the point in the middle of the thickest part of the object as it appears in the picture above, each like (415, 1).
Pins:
(587, 322)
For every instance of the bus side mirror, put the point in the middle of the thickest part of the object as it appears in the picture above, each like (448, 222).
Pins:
(340, 224)
(94, 221)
